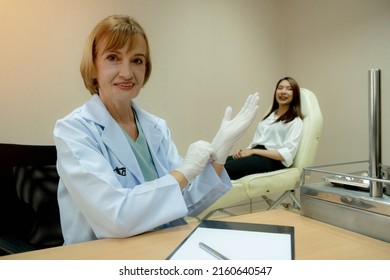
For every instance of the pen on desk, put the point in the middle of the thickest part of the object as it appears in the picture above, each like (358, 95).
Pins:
(212, 252)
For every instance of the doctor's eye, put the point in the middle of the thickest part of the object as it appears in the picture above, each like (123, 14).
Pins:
(138, 61)
(112, 57)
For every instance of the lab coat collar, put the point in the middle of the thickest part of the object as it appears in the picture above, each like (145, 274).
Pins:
(98, 113)
(94, 110)
(149, 124)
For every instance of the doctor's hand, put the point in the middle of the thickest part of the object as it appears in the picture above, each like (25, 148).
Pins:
(198, 155)
(232, 129)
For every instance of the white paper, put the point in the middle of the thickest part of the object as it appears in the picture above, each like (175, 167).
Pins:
(235, 245)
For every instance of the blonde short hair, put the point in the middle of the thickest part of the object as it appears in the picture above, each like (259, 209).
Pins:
(115, 31)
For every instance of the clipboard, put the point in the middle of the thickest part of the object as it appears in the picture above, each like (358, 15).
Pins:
(238, 241)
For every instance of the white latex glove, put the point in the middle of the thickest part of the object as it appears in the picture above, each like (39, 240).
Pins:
(232, 129)
(197, 157)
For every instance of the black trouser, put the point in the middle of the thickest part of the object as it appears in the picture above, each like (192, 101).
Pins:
(237, 168)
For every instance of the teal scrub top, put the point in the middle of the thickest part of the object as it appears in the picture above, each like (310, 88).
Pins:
(142, 154)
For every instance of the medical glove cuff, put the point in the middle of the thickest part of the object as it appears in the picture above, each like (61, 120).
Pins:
(198, 155)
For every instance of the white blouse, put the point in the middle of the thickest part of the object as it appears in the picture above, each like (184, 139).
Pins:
(280, 136)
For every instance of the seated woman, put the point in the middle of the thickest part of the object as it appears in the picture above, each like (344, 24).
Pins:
(277, 136)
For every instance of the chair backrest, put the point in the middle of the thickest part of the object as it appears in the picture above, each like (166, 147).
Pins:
(311, 133)
(28, 194)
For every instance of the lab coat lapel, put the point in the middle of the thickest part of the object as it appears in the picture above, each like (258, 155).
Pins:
(113, 136)
(116, 141)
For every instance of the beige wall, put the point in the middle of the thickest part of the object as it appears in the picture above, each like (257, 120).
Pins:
(206, 55)
(330, 46)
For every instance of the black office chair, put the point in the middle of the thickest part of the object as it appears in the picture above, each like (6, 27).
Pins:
(29, 214)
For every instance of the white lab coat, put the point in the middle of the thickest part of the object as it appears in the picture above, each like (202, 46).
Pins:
(96, 201)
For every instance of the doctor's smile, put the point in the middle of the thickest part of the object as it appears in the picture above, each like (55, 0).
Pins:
(125, 86)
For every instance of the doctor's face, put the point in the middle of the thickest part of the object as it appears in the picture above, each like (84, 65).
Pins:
(120, 73)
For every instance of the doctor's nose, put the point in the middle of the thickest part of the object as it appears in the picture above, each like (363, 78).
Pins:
(126, 71)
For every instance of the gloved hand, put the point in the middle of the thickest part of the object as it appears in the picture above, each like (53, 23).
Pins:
(232, 129)
(198, 155)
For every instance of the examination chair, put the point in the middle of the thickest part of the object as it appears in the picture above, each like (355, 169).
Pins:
(284, 181)
(29, 214)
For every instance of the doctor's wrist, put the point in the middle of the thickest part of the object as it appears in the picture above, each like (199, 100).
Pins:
(180, 178)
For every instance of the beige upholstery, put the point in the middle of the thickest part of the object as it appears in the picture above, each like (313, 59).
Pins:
(283, 181)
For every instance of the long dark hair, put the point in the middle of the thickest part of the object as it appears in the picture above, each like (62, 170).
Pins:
(294, 109)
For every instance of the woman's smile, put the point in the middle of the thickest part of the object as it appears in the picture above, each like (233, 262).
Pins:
(124, 85)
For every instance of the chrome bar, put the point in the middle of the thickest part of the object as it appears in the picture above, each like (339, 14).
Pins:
(329, 172)
(375, 152)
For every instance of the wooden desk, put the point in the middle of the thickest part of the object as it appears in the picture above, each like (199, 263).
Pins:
(313, 240)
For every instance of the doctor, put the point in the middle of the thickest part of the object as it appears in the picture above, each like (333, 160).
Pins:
(120, 172)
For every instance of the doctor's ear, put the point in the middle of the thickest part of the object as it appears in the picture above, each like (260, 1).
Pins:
(94, 77)
(93, 73)
(95, 84)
